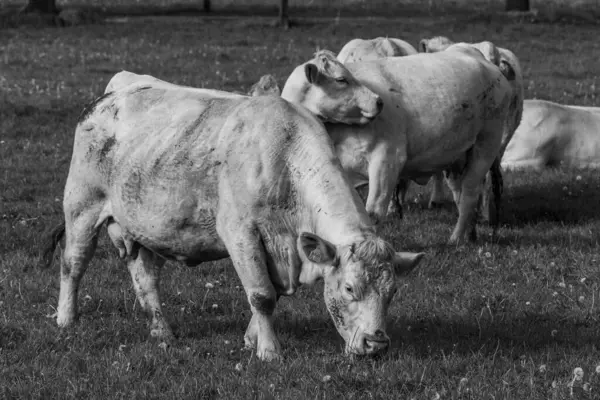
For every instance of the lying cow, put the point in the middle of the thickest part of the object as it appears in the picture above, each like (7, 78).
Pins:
(444, 110)
(510, 66)
(553, 134)
(197, 175)
(372, 49)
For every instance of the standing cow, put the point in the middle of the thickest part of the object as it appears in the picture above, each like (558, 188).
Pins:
(510, 66)
(196, 175)
(444, 110)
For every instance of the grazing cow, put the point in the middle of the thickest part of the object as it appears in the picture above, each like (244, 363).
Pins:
(553, 134)
(372, 49)
(195, 175)
(442, 110)
(510, 66)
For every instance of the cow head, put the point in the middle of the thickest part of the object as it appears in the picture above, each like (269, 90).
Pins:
(327, 89)
(360, 282)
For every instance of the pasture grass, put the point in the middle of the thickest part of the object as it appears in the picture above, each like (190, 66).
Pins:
(506, 318)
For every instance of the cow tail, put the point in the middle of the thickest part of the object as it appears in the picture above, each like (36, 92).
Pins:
(498, 189)
(52, 239)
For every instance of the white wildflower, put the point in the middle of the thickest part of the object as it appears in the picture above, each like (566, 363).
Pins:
(215, 306)
(209, 285)
(582, 280)
(586, 387)
(561, 284)
(581, 299)
(163, 345)
(528, 303)
(578, 374)
(238, 367)
(488, 254)
(227, 342)
(554, 294)
(326, 378)
(598, 369)
(578, 178)
(554, 332)
(542, 368)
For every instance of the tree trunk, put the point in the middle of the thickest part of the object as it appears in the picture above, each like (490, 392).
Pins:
(41, 6)
(206, 6)
(284, 20)
(517, 5)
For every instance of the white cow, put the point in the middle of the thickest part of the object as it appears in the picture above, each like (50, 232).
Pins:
(510, 66)
(372, 49)
(553, 134)
(444, 110)
(196, 175)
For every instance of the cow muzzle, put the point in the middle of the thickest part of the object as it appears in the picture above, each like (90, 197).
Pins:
(372, 344)
(368, 114)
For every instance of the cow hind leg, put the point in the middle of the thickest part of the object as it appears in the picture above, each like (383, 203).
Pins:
(466, 189)
(81, 231)
(144, 267)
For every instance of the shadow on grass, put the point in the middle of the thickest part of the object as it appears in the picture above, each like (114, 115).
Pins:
(530, 333)
(427, 336)
(528, 204)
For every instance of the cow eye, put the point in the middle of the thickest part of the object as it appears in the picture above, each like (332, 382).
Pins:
(349, 289)
(342, 80)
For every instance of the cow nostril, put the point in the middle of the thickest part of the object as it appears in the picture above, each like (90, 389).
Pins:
(379, 333)
(379, 103)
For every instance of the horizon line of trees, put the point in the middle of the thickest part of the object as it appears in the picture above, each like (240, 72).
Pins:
(49, 7)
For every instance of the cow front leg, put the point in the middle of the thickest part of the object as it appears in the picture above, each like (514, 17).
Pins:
(384, 169)
(249, 260)
(144, 268)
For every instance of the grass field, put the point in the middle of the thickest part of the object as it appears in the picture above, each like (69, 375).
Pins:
(505, 319)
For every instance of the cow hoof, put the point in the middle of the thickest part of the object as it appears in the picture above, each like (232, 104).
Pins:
(435, 205)
(64, 321)
(162, 335)
(269, 356)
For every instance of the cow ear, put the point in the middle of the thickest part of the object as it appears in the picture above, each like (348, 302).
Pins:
(423, 45)
(312, 73)
(317, 250)
(507, 70)
(405, 262)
